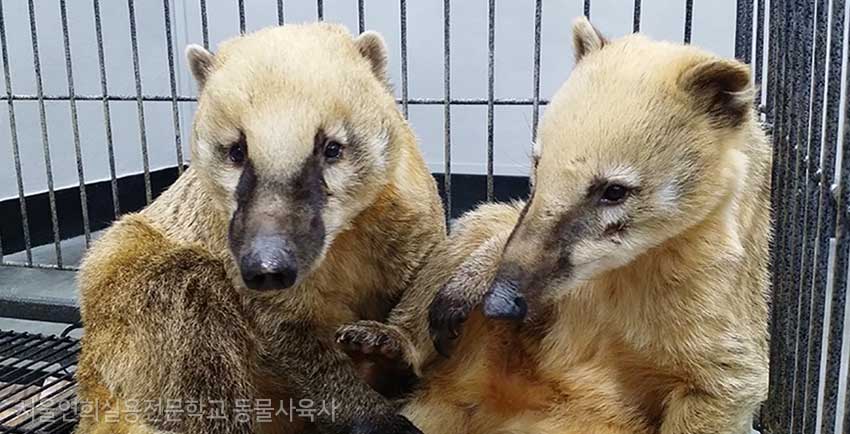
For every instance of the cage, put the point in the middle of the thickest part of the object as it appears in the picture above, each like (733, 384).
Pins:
(98, 106)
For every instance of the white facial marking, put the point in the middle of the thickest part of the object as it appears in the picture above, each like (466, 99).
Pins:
(667, 196)
(377, 147)
(625, 175)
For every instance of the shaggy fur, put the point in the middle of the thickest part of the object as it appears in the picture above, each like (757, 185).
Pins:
(166, 313)
(645, 314)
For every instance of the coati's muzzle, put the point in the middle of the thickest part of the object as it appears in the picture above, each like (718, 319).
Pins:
(536, 254)
(276, 233)
(504, 301)
(268, 262)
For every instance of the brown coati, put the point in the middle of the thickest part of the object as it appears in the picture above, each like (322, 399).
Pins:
(629, 295)
(307, 206)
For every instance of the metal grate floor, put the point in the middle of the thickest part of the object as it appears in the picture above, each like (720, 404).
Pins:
(37, 386)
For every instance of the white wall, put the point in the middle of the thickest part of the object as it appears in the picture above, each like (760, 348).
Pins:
(713, 27)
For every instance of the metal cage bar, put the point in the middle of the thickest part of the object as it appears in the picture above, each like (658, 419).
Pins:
(13, 132)
(45, 140)
(447, 106)
(140, 102)
(403, 34)
(491, 70)
(75, 124)
(535, 109)
(107, 116)
(172, 81)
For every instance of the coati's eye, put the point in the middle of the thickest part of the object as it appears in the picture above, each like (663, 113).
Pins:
(236, 152)
(333, 150)
(614, 194)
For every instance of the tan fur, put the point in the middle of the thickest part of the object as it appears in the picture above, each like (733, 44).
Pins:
(658, 326)
(166, 313)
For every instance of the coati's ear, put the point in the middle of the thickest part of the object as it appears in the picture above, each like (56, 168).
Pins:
(722, 87)
(371, 46)
(586, 38)
(200, 63)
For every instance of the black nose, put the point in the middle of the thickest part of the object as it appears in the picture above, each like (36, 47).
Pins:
(268, 263)
(503, 301)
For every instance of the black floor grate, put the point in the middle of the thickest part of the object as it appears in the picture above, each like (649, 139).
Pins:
(37, 387)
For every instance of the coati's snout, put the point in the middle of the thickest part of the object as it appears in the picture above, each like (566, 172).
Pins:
(277, 232)
(504, 301)
(268, 263)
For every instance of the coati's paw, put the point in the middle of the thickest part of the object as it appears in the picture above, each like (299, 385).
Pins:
(395, 424)
(372, 339)
(446, 316)
(380, 355)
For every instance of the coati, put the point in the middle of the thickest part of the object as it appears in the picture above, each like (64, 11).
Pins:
(307, 206)
(629, 294)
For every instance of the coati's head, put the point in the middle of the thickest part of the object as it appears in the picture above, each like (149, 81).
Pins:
(293, 133)
(642, 142)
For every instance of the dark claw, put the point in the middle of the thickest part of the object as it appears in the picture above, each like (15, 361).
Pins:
(445, 318)
(366, 342)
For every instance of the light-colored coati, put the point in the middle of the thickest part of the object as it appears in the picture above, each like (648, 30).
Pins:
(631, 295)
(307, 187)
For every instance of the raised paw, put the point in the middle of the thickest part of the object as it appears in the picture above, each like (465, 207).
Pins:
(371, 339)
(378, 352)
(446, 316)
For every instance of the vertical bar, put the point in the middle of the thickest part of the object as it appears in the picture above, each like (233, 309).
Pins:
(107, 119)
(447, 107)
(491, 50)
(175, 111)
(825, 217)
(798, 130)
(280, 19)
(781, 30)
(320, 10)
(54, 218)
(403, 24)
(636, 17)
(759, 34)
(769, 408)
(535, 107)
(587, 9)
(13, 131)
(139, 100)
(808, 201)
(205, 27)
(845, 417)
(744, 30)
(361, 16)
(241, 4)
(774, 59)
(839, 286)
(689, 20)
(75, 125)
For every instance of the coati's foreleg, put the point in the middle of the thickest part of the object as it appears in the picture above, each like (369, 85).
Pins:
(449, 286)
(320, 372)
(463, 293)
